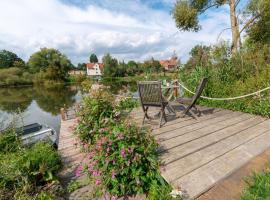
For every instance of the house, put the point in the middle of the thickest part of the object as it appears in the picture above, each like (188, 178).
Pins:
(170, 64)
(94, 69)
(76, 72)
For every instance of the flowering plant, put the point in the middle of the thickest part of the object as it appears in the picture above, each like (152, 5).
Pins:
(124, 159)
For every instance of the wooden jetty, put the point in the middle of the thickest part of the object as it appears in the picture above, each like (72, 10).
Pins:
(200, 154)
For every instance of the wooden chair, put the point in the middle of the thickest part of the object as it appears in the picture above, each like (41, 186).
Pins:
(192, 101)
(151, 96)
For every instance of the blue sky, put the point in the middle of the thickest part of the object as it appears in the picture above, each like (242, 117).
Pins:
(128, 29)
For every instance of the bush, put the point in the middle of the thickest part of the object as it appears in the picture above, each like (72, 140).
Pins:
(126, 158)
(23, 169)
(31, 166)
(14, 76)
(96, 110)
(123, 158)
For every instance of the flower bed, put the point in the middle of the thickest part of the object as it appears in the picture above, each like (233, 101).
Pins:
(123, 159)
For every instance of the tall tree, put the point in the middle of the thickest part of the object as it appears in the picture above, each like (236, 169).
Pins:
(93, 58)
(186, 12)
(110, 65)
(51, 63)
(259, 29)
(9, 59)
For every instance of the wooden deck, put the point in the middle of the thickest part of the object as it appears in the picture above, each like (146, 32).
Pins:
(197, 154)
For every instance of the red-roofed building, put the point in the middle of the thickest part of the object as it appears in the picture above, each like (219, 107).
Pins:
(94, 69)
(170, 64)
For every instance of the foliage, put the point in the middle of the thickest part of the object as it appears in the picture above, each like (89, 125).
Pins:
(93, 58)
(152, 65)
(10, 59)
(200, 56)
(257, 187)
(258, 31)
(245, 72)
(123, 158)
(9, 141)
(73, 185)
(110, 65)
(49, 64)
(81, 66)
(126, 158)
(127, 104)
(14, 76)
(96, 110)
(23, 168)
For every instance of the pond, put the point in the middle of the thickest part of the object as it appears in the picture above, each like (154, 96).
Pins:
(42, 105)
(36, 104)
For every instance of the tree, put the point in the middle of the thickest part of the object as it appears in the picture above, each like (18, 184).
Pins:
(8, 59)
(50, 63)
(200, 56)
(259, 29)
(81, 66)
(93, 58)
(110, 65)
(152, 65)
(186, 12)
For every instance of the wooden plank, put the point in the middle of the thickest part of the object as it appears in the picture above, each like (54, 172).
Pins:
(203, 178)
(187, 127)
(206, 155)
(179, 123)
(175, 151)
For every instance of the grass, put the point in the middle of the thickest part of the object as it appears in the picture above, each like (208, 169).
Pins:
(258, 187)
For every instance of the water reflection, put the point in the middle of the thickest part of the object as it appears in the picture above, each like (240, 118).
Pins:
(37, 104)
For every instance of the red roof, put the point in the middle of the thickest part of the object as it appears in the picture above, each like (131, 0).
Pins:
(91, 65)
(169, 63)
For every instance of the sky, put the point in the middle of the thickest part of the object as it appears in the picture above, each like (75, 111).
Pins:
(127, 29)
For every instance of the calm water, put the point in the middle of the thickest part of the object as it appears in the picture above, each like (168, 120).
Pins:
(36, 104)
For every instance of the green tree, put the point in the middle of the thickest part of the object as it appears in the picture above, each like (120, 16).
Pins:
(259, 29)
(81, 66)
(8, 59)
(186, 12)
(50, 64)
(200, 56)
(110, 65)
(152, 65)
(93, 58)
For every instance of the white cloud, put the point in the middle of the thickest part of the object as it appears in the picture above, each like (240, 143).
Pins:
(127, 29)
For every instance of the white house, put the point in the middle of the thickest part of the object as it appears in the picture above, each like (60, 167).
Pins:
(94, 69)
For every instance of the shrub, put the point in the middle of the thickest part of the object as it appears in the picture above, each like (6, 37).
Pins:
(123, 158)
(29, 166)
(96, 110)
(9, 141)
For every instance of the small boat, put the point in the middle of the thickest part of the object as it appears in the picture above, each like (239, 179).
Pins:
(35, 132)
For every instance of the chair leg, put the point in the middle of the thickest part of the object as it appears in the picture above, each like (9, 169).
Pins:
(198, 110)
(161, 117)
(145, 114)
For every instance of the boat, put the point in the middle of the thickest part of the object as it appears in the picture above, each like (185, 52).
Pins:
(35, 132)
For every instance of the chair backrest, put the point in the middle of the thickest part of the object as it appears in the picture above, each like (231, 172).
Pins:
(199, 90)
(150, 93)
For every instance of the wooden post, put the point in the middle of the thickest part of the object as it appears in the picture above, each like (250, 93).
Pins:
(63, 115)
(175, 89)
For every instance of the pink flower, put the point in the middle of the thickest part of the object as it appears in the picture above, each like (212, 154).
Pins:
(130, 150)
(113, 162)
(114, 197)
(120, 136)
(113, 174)
(98, 182)
(123, 153)
(108, 150)
(79, 171)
